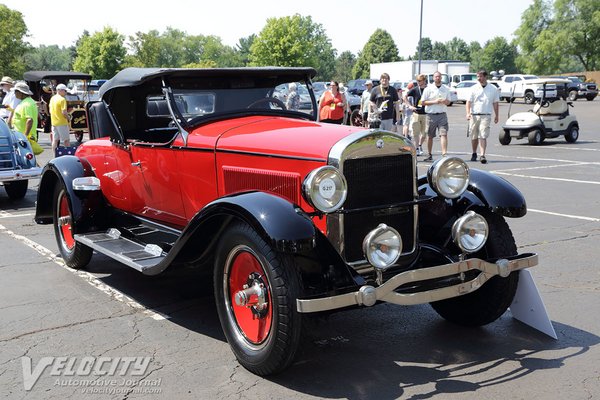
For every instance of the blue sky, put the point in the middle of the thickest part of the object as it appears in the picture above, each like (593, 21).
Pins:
(347, 23)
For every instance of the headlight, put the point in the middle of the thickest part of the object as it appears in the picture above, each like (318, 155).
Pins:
(382, 246)
(470, 232)
(449, 177)
(325, 188)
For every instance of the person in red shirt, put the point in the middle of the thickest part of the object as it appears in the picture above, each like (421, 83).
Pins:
(331, 105)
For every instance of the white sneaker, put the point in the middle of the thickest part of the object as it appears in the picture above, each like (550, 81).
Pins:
(419, 151)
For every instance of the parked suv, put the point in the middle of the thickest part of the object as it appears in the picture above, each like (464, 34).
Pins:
(579, 89)
(357, 86)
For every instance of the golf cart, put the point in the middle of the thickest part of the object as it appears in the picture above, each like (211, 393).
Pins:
(43, 85)
(549, 117)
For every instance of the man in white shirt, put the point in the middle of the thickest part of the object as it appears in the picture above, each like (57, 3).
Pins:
(435, 98)
(484, 99)
(10, 101)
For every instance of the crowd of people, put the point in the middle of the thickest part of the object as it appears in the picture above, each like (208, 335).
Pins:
(20, 112)
(420, 112)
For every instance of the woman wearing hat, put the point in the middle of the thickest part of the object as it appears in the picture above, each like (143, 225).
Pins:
(26, 113)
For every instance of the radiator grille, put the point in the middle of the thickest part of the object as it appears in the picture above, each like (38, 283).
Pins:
(284, 184)
(372, 182)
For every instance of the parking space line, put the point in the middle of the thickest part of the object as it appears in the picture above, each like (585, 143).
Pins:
(541, 167)
(5, 214)
(547, 178)
(565, 215)
(543, 159)
(86, 276)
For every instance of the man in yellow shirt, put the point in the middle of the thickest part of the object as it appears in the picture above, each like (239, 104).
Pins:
(25, 117)
(60, 117)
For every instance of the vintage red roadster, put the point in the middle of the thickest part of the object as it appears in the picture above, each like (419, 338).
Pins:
(206, 168)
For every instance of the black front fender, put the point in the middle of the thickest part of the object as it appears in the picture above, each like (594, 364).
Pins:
(496, 194)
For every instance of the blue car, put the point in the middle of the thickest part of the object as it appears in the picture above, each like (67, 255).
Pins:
(17, 162)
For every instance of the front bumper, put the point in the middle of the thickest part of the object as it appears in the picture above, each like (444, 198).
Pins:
(20, 174)
(368, 295)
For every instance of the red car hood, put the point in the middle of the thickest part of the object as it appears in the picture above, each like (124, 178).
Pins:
(283, 136)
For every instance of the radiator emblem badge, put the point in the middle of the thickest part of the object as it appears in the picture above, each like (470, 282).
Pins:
(379, 144)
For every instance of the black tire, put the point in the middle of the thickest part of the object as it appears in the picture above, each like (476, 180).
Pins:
(529, 98)
(356, 118)
(504, 137)
(16, 190)
(262, 353)
(572, 134)
(573, 95)
(590, 98)
(536, 137)
(489, 302)
(507, 99)
(450, 104)
(78, 136)
(75, 254)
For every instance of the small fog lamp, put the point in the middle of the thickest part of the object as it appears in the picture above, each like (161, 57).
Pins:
(470, 232)
(382, 246)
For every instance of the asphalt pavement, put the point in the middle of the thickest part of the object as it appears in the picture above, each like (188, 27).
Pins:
(54, 317)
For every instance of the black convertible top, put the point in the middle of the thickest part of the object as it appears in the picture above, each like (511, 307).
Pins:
(137, 76)
(39, 75)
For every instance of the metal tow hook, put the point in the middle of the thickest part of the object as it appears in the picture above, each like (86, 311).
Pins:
(242, 297)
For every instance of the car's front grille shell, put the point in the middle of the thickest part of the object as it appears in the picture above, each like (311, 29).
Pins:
(380, 170)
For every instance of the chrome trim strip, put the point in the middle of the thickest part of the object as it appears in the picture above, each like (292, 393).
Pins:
(20, 174)
(357, 145)
(386, 291)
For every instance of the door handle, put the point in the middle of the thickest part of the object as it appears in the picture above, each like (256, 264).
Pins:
(136, 164)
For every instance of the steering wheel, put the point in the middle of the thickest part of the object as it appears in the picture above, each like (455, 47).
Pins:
(268, 100)
(545, 104)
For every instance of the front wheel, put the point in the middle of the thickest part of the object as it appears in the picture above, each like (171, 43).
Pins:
(16, 190)
(356, 118)
(75, 254)
(78, 136)
(535, 137)
(489, 302)
(504, 137)
(573, 95)
(255, 291)
(572, 135)
(529, 98)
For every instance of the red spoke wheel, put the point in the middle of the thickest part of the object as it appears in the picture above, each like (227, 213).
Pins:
(255, 292)
(74, 254)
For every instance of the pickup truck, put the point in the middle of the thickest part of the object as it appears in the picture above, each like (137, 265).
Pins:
(578, 89)
(515, 86)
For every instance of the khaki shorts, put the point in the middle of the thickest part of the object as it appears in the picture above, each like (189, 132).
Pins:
(435, 121)
(479, 126)
(61, 132)
(418, 123)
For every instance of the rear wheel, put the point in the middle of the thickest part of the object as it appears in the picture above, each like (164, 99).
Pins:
(572, 135)
(573, 95)
(76, 255)
(536, 137)
(16, 190)
(504, 137)
(79, 136)
(255, 291)
(489, 302)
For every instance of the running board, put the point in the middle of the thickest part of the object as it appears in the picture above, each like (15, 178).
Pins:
(133, 254)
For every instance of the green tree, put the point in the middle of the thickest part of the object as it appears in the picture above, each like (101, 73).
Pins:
(243, 48)
(439, 51)
(13, 32)
(294, 41)
(49, 58)
(101, 54)
(498, 54)
(343, 66)
(379, 48)
(559, 35)
(458, 49)
(475, 55)
(426, 50)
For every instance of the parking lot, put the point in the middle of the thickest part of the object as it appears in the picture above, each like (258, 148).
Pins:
(385, 352)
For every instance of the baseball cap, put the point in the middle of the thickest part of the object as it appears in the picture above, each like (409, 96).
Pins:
(7, 80)
(61, 86)
(369, 82)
